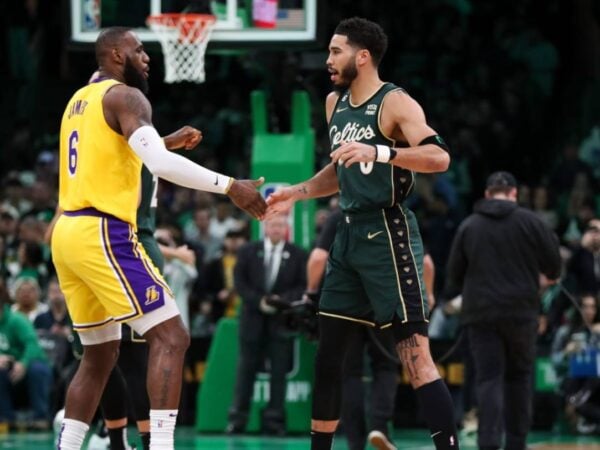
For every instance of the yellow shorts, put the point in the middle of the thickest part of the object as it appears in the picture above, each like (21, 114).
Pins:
(103, 271)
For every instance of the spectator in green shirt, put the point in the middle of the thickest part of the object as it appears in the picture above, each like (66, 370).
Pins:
(22, 362)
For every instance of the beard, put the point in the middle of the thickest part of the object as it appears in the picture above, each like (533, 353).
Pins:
(134, 77)
(346, 77)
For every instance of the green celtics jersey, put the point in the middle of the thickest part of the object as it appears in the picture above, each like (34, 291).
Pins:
(146, 217)
(373, 185)
(146, 213)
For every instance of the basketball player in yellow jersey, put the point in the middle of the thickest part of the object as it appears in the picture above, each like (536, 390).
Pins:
(107, 278)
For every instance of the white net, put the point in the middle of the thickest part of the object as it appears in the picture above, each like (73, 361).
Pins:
(183, 38)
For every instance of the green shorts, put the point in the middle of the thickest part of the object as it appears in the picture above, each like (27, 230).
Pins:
(375, 269)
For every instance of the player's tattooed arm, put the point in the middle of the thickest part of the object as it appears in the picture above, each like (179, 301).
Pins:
(322, 184)
(126, 109)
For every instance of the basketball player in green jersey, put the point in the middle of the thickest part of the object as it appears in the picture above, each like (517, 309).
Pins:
(374, 276)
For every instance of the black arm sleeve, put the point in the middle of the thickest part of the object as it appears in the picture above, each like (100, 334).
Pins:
(436, 139)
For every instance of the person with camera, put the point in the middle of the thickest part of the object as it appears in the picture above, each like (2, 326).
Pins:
(496, 260)
(575, 343)
(267, 268)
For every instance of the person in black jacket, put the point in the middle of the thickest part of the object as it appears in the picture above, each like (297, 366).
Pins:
(497, 257)
(268, 267)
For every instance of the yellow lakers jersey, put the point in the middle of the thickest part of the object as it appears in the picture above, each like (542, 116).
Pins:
(98, 169)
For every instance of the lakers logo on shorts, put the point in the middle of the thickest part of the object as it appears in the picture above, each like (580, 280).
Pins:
(152, 295)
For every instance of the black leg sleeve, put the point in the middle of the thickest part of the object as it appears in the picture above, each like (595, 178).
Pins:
(334, 335)
(438, 410)
(133, 361)
(114, 398)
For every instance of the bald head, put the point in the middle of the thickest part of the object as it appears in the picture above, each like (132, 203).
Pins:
(109, 39)
(121, 56)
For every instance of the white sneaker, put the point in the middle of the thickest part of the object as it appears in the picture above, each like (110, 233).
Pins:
(380, 441)
(585, 427)
(98, 443)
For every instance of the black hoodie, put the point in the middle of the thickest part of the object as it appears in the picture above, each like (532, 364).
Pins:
(496, 257)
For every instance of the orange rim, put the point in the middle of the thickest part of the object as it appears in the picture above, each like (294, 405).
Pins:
(182, 17)
(191, 26)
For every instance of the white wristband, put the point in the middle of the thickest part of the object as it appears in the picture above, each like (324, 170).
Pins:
(383, 153)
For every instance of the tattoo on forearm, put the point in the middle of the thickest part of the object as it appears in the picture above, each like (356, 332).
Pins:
(302, 189)
(164, 389)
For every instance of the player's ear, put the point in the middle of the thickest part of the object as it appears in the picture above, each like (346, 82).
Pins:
(362, 56)
(117, 55)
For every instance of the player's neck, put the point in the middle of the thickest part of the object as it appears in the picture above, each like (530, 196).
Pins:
(106, 74)
(363, 87)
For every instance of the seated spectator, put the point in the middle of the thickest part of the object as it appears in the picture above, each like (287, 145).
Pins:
(31, 260)
(23, 366)
(563, 178)
(580, 390)
(43, 204)
(15, 193)
(543, 208)
(584, 266)
(9, 222)
(200, 234)
(56, 319)
(27, 296)
(222, 221)
(53, 328)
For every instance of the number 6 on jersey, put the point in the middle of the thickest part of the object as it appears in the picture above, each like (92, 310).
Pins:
(73, 141)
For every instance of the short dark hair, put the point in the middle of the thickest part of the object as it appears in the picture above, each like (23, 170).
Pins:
(364, 34)
(108, 39)
(501, 181)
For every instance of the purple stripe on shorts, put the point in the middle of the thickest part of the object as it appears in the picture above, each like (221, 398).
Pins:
(95, 325)
(149, 294)
(88, 212)
(115, 266)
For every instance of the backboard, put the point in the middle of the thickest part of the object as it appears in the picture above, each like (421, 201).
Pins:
(294, 21)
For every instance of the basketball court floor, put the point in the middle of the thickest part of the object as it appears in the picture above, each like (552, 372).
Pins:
(188, 439)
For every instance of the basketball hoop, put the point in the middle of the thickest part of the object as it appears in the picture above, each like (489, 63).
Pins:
(183, 38)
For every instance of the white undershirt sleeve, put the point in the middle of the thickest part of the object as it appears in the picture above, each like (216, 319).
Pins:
(148, 145)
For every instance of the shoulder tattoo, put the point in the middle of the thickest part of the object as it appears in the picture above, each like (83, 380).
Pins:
(136, 103)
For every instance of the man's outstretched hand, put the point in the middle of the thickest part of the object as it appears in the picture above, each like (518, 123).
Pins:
(280, 201)
(186, 137)
(244, 195)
